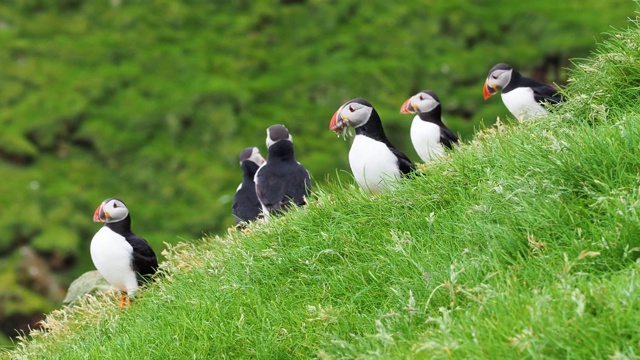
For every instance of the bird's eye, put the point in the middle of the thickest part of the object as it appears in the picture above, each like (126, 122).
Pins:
(421, 97)
(351, 108)
(494, 76)
(115, 205)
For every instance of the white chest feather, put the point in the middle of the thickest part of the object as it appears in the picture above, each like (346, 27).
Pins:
(521, 103)
(112, 255)
(425, 137)
(373, 165)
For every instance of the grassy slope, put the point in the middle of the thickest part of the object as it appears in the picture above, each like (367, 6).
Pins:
(522, 244)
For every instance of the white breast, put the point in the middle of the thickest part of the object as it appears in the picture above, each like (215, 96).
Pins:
(373, 165)
(425, 137)
(112, 255)
(521, 103)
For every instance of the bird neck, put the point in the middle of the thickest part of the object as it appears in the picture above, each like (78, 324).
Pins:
(249, 169)
(281, 150)
(514, 82)
(434, 116)
(373, 128)
(121, 227)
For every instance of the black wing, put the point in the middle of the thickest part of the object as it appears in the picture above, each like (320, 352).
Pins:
(447, 137)
(543, 92)
(405, 165)
(546, 93)
(300, 186)
(144, 262)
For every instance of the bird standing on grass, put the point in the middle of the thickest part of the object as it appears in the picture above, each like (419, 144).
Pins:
(429, 134)
(282, 180)
(123, 258)
(375, 163)
(522, 96)
(246, 206)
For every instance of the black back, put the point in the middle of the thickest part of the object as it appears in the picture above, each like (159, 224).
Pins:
(541, 92)
(144, 261)
(282, 181)
(246, 206)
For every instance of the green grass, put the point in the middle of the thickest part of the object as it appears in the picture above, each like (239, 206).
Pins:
(522, 244)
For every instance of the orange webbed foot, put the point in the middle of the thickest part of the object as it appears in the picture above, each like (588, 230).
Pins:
(124, 300)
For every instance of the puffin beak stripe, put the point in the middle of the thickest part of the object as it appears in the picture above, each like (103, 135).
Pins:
(336, 121)
(99, 215)
(407, 107)
(488, 91)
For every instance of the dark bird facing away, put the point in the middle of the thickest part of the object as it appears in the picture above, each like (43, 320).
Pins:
(246, 206)
(282, 180)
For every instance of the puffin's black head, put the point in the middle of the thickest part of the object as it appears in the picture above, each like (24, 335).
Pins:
(498, 78)
(277, 133)
(354, 113)
(111, 210)
(422, 102)
(251, 154)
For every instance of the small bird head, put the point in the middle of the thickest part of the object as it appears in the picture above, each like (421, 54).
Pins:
(498, 78)
(251, 154)
(277, 133)
(111, 210)
(422, 102)
(354, 113)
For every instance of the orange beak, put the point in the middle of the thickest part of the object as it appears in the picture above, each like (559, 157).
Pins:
(336, 123)
(407, 108)
(488, 91)
(99, 215)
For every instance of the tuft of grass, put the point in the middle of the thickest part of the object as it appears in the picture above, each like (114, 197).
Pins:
(521, 244)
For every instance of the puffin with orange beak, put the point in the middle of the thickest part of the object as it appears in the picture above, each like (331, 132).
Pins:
(124, 259)
(429, 135)
(524, 97)
(375, 162)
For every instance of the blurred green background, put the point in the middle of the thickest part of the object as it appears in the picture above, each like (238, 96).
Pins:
(152, 101)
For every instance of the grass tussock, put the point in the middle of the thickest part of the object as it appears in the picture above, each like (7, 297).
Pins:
(522, 244)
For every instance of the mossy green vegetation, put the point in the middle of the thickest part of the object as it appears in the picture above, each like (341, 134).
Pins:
(521, 244)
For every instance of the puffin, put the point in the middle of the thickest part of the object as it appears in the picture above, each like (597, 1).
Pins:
(281, 181)
(523, 97)
(429, 135)
(375, 162)
(246, 206)
(123, 258)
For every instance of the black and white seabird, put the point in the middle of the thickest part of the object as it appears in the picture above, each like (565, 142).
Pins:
(429, 134)
(522, 96)
(246, 206)
(375, 162)
(123, 258)
(282, 180)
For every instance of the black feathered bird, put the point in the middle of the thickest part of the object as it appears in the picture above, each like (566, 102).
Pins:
(246, 206)
(282, 180)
